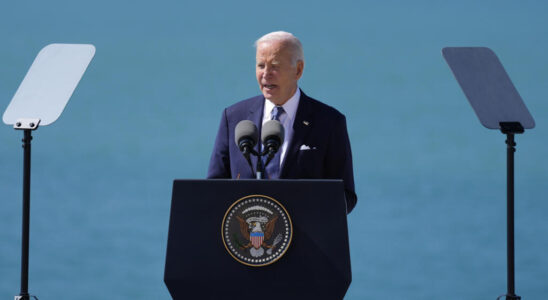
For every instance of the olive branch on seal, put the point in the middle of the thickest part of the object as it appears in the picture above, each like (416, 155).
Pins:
(236, 241)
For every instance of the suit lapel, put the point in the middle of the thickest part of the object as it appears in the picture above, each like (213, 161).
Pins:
(301, 128)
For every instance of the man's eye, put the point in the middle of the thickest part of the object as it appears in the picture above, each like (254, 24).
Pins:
(260, 66)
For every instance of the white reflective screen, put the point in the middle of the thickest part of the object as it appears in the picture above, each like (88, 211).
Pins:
(49, 83)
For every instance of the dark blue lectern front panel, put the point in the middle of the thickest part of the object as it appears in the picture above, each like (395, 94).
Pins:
(316, 265)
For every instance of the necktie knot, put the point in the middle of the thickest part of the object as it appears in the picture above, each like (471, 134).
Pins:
(276, 113)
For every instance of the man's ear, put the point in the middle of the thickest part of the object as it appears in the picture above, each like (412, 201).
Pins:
(300, 69)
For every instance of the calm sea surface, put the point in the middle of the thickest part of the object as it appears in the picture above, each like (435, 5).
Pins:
(431, 213)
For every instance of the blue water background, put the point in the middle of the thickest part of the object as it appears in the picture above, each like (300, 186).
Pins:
(431, 181)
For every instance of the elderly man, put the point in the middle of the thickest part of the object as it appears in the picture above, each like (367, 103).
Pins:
(316, 144)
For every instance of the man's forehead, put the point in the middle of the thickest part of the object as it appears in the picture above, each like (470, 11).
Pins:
(273, 59)
(273, 52)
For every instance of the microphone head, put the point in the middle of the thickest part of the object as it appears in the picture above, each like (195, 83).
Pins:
(272, 130)
(246, 130)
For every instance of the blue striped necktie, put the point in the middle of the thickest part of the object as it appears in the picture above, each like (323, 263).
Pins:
(273, 167)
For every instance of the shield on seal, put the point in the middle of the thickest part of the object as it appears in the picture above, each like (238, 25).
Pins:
(257, 239)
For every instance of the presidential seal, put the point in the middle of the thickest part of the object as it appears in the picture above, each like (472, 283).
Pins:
(256, 230)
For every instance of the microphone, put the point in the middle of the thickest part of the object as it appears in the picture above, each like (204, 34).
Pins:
(246, 136)
(272, 136)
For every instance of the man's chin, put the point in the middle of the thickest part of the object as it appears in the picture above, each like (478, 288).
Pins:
(269, 95)
(275, 98)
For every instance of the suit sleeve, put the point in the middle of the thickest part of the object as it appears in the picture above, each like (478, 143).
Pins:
(339, 161)
(219, 164)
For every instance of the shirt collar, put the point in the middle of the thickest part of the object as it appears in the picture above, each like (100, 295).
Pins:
(290, 106)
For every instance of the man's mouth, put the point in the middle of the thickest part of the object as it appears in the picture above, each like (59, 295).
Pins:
(269, 86)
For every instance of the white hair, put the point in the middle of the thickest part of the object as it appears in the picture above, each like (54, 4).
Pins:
(289, 39)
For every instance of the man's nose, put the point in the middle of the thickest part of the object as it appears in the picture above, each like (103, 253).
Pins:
(267, 71)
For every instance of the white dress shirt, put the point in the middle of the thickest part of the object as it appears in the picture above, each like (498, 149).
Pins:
(287, 119)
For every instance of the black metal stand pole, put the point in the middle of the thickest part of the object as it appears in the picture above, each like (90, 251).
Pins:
(24, 295)
(510, 149)
(510, 129)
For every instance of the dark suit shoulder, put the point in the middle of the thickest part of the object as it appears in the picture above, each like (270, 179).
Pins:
(322, 108)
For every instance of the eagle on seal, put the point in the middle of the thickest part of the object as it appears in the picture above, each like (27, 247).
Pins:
(254, 234)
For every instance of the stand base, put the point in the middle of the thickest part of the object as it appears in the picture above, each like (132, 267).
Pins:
(25, 297)
(509, 297)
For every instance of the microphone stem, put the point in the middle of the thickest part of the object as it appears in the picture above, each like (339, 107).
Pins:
(260, 167)
(248, 159)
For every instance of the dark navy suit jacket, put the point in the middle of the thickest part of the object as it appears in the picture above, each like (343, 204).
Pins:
(317, 126)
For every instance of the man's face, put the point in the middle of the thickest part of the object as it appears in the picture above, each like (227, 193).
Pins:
(276, 74)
